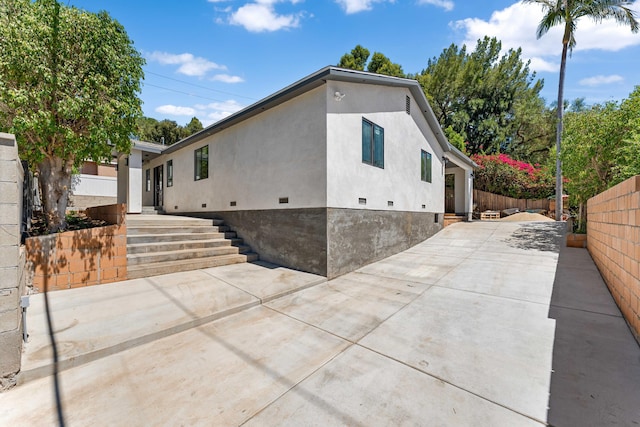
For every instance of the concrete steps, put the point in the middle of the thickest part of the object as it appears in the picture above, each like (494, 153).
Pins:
(452, 219)
(160, 244)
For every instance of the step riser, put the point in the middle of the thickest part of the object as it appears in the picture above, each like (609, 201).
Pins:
(137, 259)
(160, 238)
(156, 269)
(135, 230)
(177, 246)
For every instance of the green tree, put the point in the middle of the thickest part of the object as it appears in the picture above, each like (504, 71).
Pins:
(192, 127)
(69, 84)
(356, 60)
(476, 93)
(534, 134)
(379, 63)
(601, 147)
(567, 13)
(145, 128)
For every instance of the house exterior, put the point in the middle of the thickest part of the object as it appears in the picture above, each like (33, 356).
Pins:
(335, 171)
(95, 185)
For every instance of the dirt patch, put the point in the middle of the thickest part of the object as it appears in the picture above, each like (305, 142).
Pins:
(526, 216)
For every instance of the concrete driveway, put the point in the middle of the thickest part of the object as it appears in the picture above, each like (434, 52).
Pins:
(485, 324)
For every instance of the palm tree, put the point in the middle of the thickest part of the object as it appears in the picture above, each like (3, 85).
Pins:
(569, 12)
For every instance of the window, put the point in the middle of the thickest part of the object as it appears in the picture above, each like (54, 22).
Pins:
(201, 170)
(147, 176)
(169, 173)
(425, 170)
(372, 144)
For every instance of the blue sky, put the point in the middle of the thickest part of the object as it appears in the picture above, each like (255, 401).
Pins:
(210, 58)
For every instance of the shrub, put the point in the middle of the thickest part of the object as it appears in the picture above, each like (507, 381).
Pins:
(500, 174)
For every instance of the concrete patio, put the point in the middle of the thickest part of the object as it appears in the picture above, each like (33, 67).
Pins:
(486, 323)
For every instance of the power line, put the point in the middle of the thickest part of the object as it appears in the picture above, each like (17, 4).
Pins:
(183, 93)
(199, 86)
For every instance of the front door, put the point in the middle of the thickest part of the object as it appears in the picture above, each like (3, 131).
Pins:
(449, 193)
(157, 186)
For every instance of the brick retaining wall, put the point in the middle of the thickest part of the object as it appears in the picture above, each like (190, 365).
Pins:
(80, 258)
(613, 230)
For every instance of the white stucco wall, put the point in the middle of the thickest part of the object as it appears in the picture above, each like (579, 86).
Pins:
(278, 153)
(349, 179)
(94, 185)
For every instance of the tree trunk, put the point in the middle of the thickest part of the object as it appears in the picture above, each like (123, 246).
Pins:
(563, 65)
(55, 182)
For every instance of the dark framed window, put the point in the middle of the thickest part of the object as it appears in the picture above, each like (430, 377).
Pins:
(201, 169)
(169, 173)
(372, 144)
(425, 166)
(147, 177)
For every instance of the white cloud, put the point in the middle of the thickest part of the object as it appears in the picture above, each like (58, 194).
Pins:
(225, 78)
(215, 111)
(601, 80)
(174, 110)
(445, 4)
(355, 6)
(516, 27)
(189, 64)
(261, 15)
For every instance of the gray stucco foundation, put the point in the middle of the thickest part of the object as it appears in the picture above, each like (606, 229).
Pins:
(327, 241)
(358, 237)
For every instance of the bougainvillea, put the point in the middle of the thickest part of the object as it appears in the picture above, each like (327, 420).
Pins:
(501, 174)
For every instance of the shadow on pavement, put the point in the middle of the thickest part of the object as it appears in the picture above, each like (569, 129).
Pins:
(541, 236)
(596, 361)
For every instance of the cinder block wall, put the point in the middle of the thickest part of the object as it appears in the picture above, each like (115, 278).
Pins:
(613, 230)
(73, 259)
(12, 260)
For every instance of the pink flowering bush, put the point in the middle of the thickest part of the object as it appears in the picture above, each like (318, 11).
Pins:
(500, 174)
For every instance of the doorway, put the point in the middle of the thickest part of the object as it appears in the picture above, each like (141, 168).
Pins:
(157, 186)
(449, 193)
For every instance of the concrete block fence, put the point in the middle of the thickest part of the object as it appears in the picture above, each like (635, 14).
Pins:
(12, 260)
(81, 258)
(613, 230)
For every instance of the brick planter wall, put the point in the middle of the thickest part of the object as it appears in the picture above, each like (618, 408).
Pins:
(81, 258)
(613, 230)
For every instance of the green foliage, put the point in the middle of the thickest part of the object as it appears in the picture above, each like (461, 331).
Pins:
(601, 147)
(356, 60)
(500, 174)
(69, 84)
(380, 64)
(534, 129)
(165, 131)
(455, 139)
(67, 89)
(476, 93)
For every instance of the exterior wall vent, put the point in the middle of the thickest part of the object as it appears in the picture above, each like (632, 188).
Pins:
(424, 206)
(283, 200)
(390, 203)
(408, 104)
(437, 217)
(232, 203)
(204, 205)
(362, 201)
